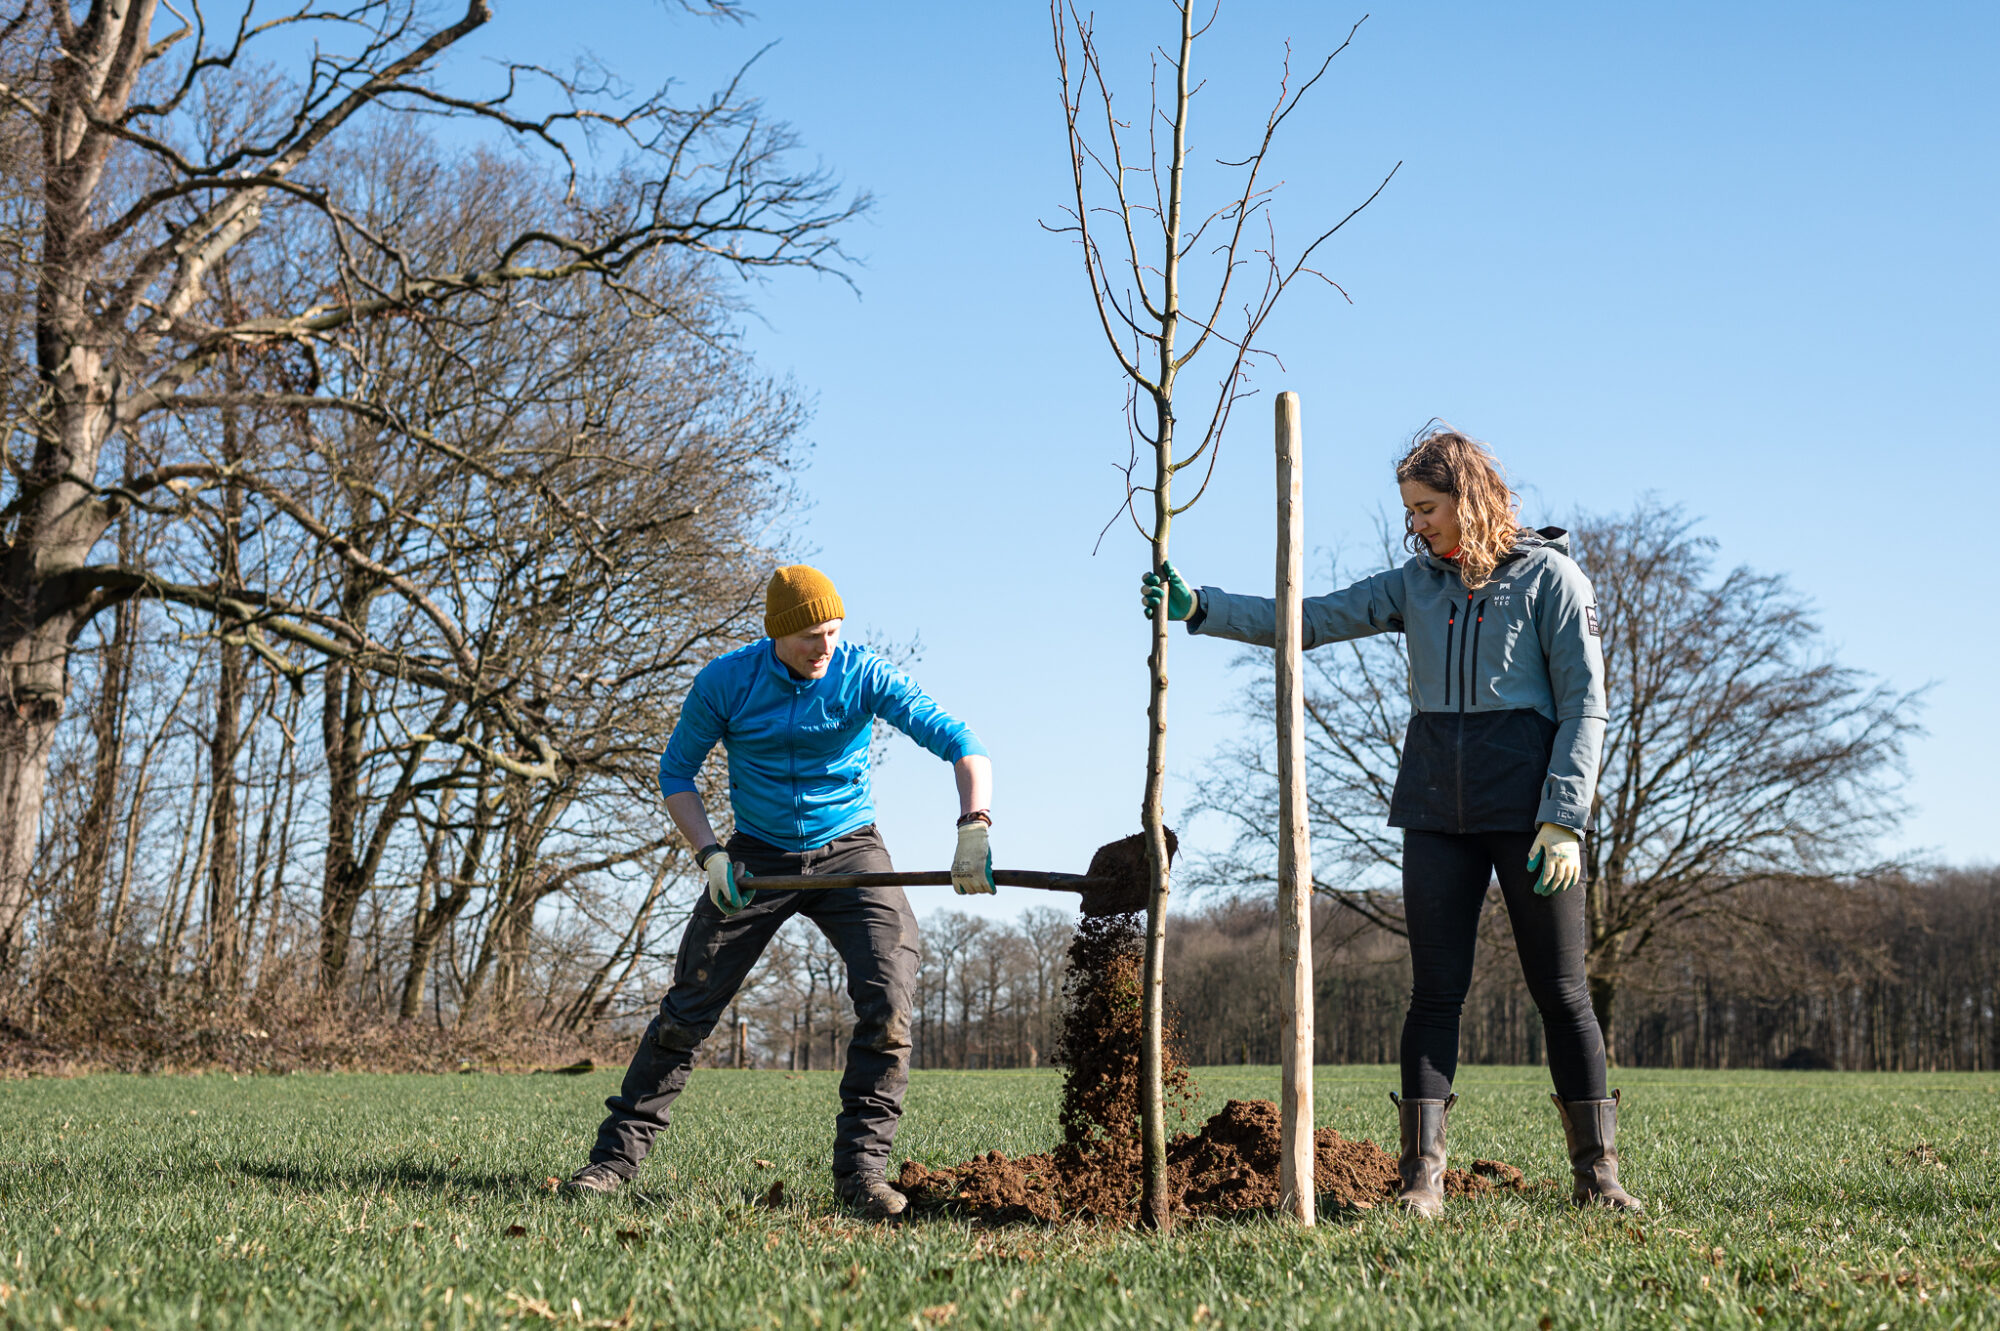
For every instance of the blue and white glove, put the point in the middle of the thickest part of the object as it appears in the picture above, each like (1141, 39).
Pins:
(723, 876)
(972, 866)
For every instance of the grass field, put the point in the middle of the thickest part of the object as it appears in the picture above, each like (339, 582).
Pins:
(1777, 1199)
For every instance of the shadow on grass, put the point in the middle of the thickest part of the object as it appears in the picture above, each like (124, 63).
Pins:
(407, 1174)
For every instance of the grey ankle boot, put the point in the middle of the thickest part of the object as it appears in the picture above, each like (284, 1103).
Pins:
(1422, 1162)
(1591, 1127)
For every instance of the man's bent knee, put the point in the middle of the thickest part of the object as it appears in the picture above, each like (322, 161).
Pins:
(885, 1032)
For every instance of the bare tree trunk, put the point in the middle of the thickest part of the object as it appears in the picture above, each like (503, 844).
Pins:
(1604, 957)
(1603, 1000)
(340, 892)
(135, 819)
(586, 1006)
(107, 728)
(223, 964)
(431, 927)
(27, 733)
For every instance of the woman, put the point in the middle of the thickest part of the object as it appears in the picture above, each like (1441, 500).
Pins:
(1498, 771)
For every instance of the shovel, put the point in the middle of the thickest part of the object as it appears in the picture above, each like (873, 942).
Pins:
(1115, 884)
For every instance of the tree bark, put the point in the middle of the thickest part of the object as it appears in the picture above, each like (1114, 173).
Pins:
(430, 925)
(224, 964)
(342, 718)
(107, 729)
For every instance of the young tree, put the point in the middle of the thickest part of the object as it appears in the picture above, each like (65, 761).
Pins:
(1139, 284)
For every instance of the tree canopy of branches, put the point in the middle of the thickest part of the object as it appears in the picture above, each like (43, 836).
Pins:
(373, 492)
(366, 410)
(1739, 751)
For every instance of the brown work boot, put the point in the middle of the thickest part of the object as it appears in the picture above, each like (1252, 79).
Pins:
(1422, 1163)
(868, 1193)
(1592, 1129)
(595, 1180)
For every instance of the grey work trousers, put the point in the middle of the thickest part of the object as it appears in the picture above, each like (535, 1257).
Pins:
(876, 935)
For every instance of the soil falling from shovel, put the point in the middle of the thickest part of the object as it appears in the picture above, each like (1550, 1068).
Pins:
(1229, 1166)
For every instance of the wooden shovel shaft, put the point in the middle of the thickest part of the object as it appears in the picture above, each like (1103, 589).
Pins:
(1048, 882)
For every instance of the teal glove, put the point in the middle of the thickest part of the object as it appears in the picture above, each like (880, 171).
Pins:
(1174, 591)
(723, 888)
(1559, 851)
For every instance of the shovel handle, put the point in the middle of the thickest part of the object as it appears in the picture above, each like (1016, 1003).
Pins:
(1047, 882)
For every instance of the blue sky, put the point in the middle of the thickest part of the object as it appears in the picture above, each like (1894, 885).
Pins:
(1740, 257)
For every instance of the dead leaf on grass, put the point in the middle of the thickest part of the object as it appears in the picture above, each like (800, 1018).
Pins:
(775, 1198)
(855, 1271)
(939, 1314)
(763, 1164)
(525, 1306)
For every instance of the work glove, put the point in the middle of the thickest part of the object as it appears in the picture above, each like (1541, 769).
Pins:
(1559, 852)
(724, 888)
(1174, 591)
(972, 866)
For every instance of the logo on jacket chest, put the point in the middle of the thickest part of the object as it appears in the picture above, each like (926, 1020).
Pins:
(826, 717)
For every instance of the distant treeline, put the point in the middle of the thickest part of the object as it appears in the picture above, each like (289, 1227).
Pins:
(1885, 975)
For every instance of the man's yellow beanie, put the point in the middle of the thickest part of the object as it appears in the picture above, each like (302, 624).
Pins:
(799, 597)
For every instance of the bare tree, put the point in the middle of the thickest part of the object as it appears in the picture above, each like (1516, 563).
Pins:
(162, 154)
(1139, 287)
(1738, 752)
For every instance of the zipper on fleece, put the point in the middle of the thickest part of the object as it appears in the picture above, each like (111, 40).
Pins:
(1467, 686)
(1458, 741)
(1450, 628)
(792, 765)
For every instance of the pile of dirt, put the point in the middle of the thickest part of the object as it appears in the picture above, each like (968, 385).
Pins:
(1229, 1166)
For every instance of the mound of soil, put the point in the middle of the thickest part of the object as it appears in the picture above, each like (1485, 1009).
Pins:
(1229, 1166)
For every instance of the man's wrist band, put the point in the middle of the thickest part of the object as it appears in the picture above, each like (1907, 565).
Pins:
(977, 816)
(701, 856)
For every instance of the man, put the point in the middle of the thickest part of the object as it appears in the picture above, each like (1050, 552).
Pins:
(795, 711)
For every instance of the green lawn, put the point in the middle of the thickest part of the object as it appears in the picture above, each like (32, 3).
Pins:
(1777, 1199)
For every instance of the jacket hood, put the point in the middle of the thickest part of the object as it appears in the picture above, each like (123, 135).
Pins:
(1544, 538)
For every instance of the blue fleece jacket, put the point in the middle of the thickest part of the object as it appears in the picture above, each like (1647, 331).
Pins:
(798, 748)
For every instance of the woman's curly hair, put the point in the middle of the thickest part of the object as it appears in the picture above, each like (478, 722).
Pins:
(1442, 459)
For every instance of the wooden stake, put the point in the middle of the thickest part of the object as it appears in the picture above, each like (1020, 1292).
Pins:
(1295, 1006)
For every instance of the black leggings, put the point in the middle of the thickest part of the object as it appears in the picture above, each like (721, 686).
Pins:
(1445, 876)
